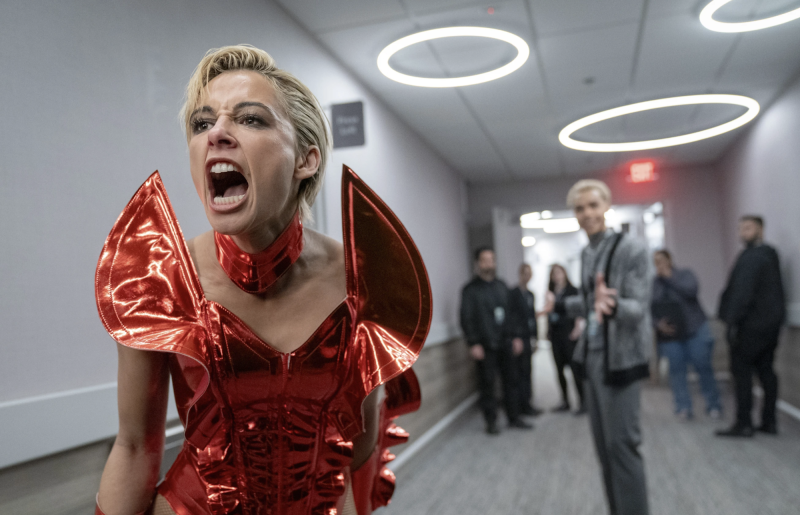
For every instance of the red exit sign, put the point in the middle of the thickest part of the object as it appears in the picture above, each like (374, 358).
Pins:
(643, 172)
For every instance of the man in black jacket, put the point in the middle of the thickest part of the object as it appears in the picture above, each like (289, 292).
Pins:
(753, 307)
(523, 305)
(493, 335)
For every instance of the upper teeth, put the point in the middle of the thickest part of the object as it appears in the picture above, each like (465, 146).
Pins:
(223, 167)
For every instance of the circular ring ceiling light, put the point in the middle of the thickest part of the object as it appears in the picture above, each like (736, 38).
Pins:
(708, 21)
(751, 105)
(449, 32)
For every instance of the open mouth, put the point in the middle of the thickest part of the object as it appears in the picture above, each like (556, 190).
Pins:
(226, 184)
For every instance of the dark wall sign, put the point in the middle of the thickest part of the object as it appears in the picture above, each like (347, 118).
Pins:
(348, 124)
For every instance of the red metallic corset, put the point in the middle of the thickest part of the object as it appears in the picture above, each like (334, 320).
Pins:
(268, 432)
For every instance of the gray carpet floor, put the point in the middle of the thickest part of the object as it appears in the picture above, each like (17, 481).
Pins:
(552, 470)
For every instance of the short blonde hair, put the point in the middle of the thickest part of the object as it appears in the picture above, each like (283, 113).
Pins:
(307, 117)
(585, 185)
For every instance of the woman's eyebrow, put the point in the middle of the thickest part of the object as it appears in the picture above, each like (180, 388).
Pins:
(265, 107)
(204, 109)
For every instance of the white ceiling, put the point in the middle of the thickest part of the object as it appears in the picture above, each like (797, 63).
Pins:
(586, 56)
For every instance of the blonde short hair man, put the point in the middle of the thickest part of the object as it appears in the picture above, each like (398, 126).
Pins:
(614, 349)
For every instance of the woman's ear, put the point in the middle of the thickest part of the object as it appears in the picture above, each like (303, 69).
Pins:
(307, 163)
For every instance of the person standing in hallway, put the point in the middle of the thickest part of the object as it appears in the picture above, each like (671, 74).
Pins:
(753, 307)
(683, 334)
(563, 332)
(615, 347)
(494, 337)
(523, 304)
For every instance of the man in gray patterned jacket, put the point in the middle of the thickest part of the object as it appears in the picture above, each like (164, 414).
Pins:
(614, 349)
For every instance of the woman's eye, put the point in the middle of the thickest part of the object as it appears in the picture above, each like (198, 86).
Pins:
(200, 125)
(251, 119)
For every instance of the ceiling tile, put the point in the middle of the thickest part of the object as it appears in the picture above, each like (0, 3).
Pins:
(319, 16)
(770, 56)
(359, 46)
(558, 17)
(657, 123)
(472, 55)
(586, 163)
(465, 147)
(711, 115)
(527, 146)
(740, 10)
(427, 6)
(769, 8)
(706, 151)
(659, 8)
(678, 57)
(417, 60)
(604, 56)
(519, 96)
(607, 131)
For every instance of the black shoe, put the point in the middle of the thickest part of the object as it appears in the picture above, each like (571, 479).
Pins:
(492, 429)
(561, 409)
(518, 423)
(736, 431)
(770, 429)
(531, 411)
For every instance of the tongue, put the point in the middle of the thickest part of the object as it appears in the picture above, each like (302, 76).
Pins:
(233, 191)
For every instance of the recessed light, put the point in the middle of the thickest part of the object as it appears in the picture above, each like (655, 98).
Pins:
(751, 105)
(528, 241)
(708, 21)
(523, 51)
(530, 217)
(561, 225)
(552, 225)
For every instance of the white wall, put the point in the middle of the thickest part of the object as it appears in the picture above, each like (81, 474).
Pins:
(92, 91)
(507, 244)
(761, 175)
(692, 208)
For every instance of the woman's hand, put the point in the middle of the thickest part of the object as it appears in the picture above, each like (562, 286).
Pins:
(549, 303)
(577, 329)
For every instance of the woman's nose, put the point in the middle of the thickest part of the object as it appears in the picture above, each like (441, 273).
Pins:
(219, 135)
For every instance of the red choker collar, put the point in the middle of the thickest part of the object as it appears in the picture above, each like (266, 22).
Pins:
(255, 273)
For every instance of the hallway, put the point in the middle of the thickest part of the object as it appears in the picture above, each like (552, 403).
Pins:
(466, 125)
(553, 469)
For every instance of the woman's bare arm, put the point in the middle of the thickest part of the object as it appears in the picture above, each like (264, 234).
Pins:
(131, 472)
(364, 444)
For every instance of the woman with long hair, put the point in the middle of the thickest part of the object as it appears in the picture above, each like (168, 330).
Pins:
(276, 337)
(563, 332)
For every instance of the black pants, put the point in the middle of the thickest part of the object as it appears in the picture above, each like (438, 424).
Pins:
(498, 361)
(754, 352)
(524, 364)
(563, 348)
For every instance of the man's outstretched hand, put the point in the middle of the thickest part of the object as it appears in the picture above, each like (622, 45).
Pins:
(605, 298)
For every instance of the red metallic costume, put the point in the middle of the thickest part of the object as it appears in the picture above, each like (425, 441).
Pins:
(268, 432)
